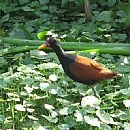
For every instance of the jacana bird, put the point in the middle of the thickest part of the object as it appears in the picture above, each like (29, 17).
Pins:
(79, 68)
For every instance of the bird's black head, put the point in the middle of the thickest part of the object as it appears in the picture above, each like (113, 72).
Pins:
(50, 42)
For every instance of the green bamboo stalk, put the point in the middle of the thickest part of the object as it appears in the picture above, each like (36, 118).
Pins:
(80, 48)
(116, 51)
(17, 49)
(87, 45)
(20, 42)
(110, 51)
(26, 45)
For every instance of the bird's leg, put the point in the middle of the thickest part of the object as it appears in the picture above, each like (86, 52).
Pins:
(95, 92)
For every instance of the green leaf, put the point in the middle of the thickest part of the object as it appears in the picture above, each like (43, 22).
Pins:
(64, 2)
(48, 65)
(27, 80)
(27, 8)
(44, 86)
(91, 101)
(52, 9)
(35, 4)
(20, 32)
(50, 119)
(5, 81)
(37, 126)
(108, 56)
(69, 120)
(121, 13)
(63, 127)
(126, 103)
(5, 18)
(24, 1)
(44, 2)
(3, 62)
(111, 3)
(78, 115)
(78, 2)
(105, 16)
(104, 126)
(31, 117)
(38, 54)
(20, 107)
(126, 126)
(92, 121)
(63, 101)
(54, 114)
(48, 107)
(53, 77)
(40, 35)
(104, 117)
(28, 89)
(26, 69)
(64, 111)
(123, 69)
(125, 117)
(1, 118)
(85, 39)
(122, 37)
(125, 91)
(125, 7)
(121, 114)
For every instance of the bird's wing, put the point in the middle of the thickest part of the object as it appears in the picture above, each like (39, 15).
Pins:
(87, 61)
(97, 66)
(107, 73)
(84, 70)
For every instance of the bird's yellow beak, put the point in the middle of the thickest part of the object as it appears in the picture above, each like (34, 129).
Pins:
(42, 46)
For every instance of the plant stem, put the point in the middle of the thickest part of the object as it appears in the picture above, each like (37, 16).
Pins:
(27, 45)
(94, 45)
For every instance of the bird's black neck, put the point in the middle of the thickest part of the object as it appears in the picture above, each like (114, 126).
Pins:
(64, 58)
(59, 51)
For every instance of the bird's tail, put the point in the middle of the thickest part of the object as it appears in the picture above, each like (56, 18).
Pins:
(109, 74)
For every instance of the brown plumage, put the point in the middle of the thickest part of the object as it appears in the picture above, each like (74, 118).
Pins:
(79, 68)
(88, 71)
